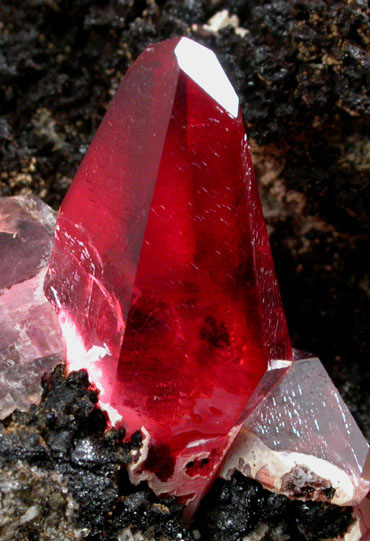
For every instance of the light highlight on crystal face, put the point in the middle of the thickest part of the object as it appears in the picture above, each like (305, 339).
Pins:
(202, 66)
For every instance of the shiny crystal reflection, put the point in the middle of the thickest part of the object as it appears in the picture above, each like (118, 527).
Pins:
(30, 341)
(161, 273)
(201, 65)
(299, 423)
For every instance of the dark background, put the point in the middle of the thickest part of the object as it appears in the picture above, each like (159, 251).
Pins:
(302, 72)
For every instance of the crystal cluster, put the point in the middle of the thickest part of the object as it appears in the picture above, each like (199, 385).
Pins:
(161, 272)
(30, 341)
(164, 287)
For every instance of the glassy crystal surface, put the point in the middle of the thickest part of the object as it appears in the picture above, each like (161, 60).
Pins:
(162, 273)
(299, 437)
(30, 340)
(363, 514)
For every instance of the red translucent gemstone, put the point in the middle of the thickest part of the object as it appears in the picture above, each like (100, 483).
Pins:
(162, 273)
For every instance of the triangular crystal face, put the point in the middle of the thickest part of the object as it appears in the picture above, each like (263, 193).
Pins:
(162, 273)
(300, 439)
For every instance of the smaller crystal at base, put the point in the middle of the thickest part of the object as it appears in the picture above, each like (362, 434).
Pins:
(30, 342)
(301, 440)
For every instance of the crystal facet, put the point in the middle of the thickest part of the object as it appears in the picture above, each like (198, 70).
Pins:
(30, 341)
(362, 523)
(161, 273)
(300, 439)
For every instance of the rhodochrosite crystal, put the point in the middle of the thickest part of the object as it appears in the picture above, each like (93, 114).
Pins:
(300, 439)
(30, 341)
(162, 274)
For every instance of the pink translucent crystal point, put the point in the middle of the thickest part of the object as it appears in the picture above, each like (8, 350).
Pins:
(30, 340)
(300, 439)
(162, 273)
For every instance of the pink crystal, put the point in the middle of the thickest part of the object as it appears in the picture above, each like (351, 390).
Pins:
(30, 341)
(362, 512)
(162, 274)
(300, 439)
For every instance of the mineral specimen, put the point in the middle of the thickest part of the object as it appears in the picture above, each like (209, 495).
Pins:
(30, 341)
(299, 438)
(161, 272)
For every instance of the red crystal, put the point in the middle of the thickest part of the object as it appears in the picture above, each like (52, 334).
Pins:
(161, 273)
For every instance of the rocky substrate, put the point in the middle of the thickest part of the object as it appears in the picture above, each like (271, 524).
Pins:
(63, 476)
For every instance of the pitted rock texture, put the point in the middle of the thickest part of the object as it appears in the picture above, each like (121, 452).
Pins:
(62, 476)
(36, 504)
(233, 510)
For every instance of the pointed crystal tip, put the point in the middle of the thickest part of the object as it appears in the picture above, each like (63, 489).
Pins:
(202, 66)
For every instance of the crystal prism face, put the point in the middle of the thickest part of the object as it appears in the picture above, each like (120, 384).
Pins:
(300, 439)
(30, 340)
(161, 273)
(362, 525)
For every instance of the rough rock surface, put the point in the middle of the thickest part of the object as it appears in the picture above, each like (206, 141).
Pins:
(63, 477)
(234, 509)
(36, 502)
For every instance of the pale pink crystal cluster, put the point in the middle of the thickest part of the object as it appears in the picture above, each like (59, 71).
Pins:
(30, 340)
